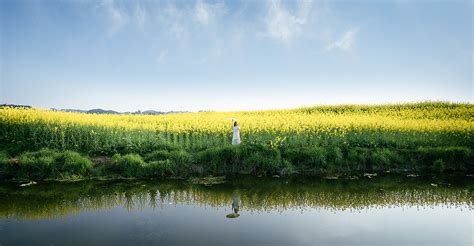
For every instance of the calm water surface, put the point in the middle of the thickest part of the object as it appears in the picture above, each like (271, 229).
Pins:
(384, 210)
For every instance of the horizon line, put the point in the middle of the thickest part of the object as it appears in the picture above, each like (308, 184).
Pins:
(242, 110)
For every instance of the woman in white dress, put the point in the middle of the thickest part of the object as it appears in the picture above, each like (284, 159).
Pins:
(236, 135)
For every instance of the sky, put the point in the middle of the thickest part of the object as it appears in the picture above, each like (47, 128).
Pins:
(233, 55)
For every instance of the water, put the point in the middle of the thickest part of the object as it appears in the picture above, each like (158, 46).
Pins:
(383, 210)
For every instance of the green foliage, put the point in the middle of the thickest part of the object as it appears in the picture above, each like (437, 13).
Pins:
(335, 158)
(382, 158)
(262, 159)
(257, 159)
(160, 164)
(5, 164)
(180, 157)
(47, 163)
(310, 157)
(358, 158)
(454, 157)
(129, 165)
(221, 159)
(72, 163)
(39, 164)
(162, 168)
(438, 166)
(158, 155)
(4, 157)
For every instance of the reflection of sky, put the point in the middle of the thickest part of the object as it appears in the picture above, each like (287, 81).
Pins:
(196, 225)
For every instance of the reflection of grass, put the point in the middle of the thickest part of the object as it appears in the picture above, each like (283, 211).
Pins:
(49, 200)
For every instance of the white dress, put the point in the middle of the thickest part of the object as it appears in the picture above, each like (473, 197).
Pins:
(236, 135)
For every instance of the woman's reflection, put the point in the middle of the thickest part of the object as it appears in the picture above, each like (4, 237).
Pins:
(235, 206)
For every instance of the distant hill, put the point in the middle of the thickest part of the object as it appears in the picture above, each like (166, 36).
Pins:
(14, 106)
(71, 110)
(99, 110)
(105, 111)
(152, 112)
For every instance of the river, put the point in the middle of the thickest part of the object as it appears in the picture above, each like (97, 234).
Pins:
(381, 210)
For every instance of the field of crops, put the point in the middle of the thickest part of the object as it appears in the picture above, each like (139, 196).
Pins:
(345, 128)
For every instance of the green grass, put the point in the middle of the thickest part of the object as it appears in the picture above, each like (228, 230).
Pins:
(47, 164)
(251, 159)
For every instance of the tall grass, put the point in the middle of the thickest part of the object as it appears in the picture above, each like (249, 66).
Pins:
(46, 163)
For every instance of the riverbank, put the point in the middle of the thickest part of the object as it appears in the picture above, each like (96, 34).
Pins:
(256, 160)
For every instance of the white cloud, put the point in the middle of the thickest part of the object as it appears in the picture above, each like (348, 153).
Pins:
(205, 12)
(140, 15)
(173, 22)
(202, 13)
(162, 56)
(346, 42)
(281, 24)
(117, 16)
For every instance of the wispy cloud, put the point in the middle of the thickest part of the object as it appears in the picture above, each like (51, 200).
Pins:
(346, 42)
(206, 12)
(118, 17)
(177, 26)
(140, 15)
(172, 21)
(281, 24)
(161, 57)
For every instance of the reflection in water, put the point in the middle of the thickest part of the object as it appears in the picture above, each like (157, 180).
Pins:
(236, 203)
(57, 199)
(235, 206)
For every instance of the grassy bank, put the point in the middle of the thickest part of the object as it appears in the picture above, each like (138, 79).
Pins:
(243, 159)
(434, 137)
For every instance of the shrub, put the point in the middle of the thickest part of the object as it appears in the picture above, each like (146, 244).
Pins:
(382, 158)
(315, 157)
(220, 159)
(4, 158)
(5, 165)
(335, 158)
(47, 163)
(180, 157)
(72, 163)
(260, 159)
(454, 157)
(158, 155)
(159, 168)
(438, 166)
(39, 164)
(129, 165)
(357, 158)
(154, 145)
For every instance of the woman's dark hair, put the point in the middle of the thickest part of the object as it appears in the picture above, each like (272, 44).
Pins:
(235, 123)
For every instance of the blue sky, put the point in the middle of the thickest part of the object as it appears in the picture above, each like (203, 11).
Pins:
(233, 55)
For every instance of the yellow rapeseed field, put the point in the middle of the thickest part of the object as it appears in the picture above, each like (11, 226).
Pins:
(428, 124)
(272, 121)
